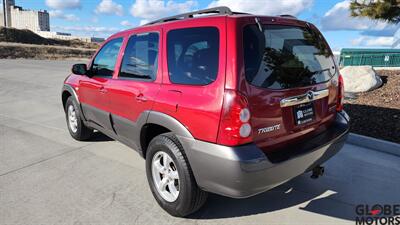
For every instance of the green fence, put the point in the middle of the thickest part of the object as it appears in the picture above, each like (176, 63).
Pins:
(371, 57)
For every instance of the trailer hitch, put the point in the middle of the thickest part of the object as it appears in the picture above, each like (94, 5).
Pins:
(317, 172)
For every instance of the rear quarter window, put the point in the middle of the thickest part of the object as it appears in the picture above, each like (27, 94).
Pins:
(282, 57)
(192, 55)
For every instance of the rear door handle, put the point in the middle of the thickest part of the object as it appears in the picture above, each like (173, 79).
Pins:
(141, 98)
(103, 90)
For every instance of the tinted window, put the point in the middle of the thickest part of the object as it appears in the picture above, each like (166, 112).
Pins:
(193, 55)
(104, 63)
(283, 57)
(141, 57)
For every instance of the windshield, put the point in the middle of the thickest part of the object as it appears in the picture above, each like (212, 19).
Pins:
(284, 57)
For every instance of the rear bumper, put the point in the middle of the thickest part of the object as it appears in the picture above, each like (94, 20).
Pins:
(243, 171)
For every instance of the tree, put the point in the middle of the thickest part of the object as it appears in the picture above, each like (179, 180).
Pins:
(386, 10)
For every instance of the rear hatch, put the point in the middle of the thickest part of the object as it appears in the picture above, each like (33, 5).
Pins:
(291, 83)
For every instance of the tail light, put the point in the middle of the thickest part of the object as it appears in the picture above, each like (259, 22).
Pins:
(340, 97)
(235, 128)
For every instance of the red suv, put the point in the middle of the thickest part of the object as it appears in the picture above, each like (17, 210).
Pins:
(215, 101)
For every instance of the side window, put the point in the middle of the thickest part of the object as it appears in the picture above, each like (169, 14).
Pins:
(141, 57)
(104, 63)
(193, 55)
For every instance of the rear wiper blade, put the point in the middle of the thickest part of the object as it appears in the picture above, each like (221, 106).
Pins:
(320, 71)
(259, 24)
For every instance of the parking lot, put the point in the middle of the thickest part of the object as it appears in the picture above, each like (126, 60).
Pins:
(46, 177)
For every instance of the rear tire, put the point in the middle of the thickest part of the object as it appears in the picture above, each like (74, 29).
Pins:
(76, 127)
(167, 148)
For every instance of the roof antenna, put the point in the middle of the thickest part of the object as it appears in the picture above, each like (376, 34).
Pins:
(259, 24)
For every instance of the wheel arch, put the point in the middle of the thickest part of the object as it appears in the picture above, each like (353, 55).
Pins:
(67, 91)
(158, 123)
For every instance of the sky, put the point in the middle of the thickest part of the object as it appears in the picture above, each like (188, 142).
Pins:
(101, 18)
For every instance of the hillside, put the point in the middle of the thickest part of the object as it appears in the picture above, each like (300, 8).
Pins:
(29, 37)
(15, 43)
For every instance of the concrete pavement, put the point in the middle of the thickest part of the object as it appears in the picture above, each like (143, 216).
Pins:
(48, 178)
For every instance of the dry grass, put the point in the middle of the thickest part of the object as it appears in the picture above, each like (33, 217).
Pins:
(30, 51)
(28, 37)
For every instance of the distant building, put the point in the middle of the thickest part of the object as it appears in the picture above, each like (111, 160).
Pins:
(3, 13)
(67, 36)
(36, 21)
(62, 36)
(2, 18)
(97, 39)
(7, 4)
(30, 19)
(17, 17)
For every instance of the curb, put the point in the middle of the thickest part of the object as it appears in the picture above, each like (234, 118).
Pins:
(374, 144)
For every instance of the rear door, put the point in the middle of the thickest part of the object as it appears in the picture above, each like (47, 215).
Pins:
(134, 90)
(291, 83)
(194, 75)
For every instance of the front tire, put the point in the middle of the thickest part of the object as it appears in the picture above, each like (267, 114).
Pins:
(170, 177)
(76, 127)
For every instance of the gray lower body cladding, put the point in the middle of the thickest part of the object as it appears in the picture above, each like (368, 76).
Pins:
(236, 172)
(244, 171)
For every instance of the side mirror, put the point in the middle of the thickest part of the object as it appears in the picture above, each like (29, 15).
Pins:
(79, 69)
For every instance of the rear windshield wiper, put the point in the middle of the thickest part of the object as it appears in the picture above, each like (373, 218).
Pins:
(323, 70)
(314, 72)
(258, 24)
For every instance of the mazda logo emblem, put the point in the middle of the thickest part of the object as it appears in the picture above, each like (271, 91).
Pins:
(310, 95)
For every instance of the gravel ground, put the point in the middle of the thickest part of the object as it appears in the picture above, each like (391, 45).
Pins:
(377, 113)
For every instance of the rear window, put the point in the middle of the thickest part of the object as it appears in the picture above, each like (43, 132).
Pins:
(193, 55)
(282, 57)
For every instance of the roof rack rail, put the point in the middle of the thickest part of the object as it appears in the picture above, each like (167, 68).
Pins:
(288, 16)
(222, 10)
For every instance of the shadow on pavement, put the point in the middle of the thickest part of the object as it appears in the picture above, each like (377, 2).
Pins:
(292, 194)
(355, 176)
(99, 137)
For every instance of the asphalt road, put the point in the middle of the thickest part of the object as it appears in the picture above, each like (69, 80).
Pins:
(48, 178)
